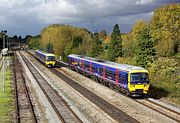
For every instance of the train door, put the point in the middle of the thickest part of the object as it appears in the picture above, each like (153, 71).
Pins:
(117, 77)
(90, 67)
(104, 72)
(82, 65)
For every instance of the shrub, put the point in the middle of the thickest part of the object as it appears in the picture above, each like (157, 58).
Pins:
(164, 74)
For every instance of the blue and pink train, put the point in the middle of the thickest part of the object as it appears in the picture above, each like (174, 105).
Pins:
(131, 80)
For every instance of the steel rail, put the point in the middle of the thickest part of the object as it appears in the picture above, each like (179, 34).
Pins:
(18, 110)
(52, 95)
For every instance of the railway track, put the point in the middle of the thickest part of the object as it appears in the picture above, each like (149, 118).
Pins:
(24, 106)
(172, 114)
(167, 112)
(111, 110)
(63, 111)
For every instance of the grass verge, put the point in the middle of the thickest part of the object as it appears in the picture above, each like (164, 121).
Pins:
(6, 98)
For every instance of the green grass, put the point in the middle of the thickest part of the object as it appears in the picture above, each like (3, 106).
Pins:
(6, 98)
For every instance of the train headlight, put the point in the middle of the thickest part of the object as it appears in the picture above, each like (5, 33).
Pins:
(132, 85)
(145, 85)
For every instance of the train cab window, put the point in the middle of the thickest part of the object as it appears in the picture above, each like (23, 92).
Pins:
(134, 77)
(144, 77)
(139, 77)
(50, 58)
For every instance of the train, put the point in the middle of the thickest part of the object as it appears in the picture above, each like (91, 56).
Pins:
(131, 80)
(48, 59)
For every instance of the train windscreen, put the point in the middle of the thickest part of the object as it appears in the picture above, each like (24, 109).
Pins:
(139, 78)
(50, 58)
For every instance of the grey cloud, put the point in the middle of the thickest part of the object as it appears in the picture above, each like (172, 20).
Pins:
(29, 16)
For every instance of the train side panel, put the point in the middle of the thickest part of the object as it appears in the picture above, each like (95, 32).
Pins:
(40, 56)
(103, 73)
(123, 81)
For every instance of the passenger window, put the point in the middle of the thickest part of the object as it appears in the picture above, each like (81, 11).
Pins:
(101, 71)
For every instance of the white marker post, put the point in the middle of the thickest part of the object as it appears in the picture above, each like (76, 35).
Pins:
(4, 34)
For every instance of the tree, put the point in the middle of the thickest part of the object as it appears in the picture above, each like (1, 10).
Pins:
(65, 36)
(96, 47)
(49, 48)
(137, 27)
(26, 38)
(67, 51)
(145, 47)
(34, 42)
(165, 27)
(102, 35)
(128, 44)
(76, 41)
(115, 46)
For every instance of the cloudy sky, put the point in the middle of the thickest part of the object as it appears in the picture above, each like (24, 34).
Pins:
(22, 17)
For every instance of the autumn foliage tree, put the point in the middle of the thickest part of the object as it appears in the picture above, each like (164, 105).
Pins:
(128, 44)
(115, 46)
(165, 27)
(66, 39)
(34, 42)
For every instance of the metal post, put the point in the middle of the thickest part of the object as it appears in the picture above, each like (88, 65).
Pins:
(7, 50)
(3, 64)
(3, 32)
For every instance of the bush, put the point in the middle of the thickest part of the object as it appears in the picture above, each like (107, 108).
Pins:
(164, 74)
(103, 56)
(165, 67)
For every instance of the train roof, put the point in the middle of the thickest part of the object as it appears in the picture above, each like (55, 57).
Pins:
(124, 67)
(45, 53)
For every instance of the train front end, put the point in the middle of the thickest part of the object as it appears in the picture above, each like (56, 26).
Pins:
(138, 82)
(50, 60)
